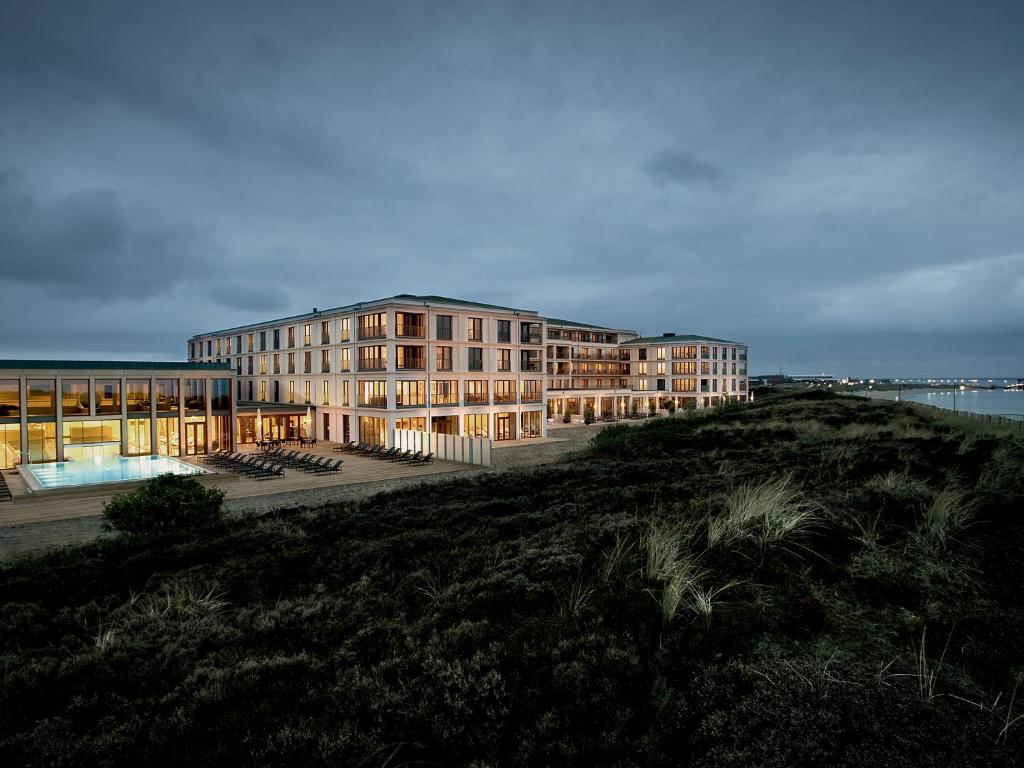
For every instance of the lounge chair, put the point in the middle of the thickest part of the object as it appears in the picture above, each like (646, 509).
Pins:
(329, 467)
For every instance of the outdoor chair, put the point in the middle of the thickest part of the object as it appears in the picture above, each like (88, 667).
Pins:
(414, 458)
(401, 456)
(329, 467)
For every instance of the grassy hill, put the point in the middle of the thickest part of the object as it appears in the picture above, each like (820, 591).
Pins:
(809, 580)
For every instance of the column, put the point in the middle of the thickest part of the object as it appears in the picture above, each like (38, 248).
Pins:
(23, 410)
(152, 416)
(208, 389)
(124, 414)
(182, 438)
(58, 427)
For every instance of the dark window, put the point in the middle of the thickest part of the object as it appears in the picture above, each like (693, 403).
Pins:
(277, 338)
(444, 326)
(476, 359)
(504, 331)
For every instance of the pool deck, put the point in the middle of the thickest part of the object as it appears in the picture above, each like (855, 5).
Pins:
(81, 502)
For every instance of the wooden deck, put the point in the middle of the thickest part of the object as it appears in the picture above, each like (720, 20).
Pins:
(87, 502)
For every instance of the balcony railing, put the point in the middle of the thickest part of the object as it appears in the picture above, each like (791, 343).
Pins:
(374, 402)
(411, 332)
(452, 399)
(372, 365)
(411, 365)
(477, 399)
(504, 399)
(325, 338)
(531, 398)
(376, 332)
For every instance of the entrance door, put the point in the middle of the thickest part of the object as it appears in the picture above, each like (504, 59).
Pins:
(195, 438)
(504, 428)
(327, 426)
(346, 433)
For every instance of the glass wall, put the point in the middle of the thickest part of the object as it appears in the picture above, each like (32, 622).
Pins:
(108, 396)
(373, 430)
(195, 394)
(168, 436)
(167, 396)
(417, 423)
(530, 424)
(84, 440)
(138, 396)
(10, 445)
(220, 432)
(74, 397)
(41, 397)
(42, 440)
(476, 424)
(138, 442)
(445, 425)
(10, 404)
(220, 394)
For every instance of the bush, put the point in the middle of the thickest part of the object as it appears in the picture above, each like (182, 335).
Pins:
(566, 416)
(588, 414)
(670, 406)
(652, 407)
(167, 503)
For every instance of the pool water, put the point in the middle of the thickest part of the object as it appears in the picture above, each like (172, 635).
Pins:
(106, 469)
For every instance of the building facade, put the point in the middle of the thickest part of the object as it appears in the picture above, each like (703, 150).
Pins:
(424, 363)
(437, 364)
(79, 410)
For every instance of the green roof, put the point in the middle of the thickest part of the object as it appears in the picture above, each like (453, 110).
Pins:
(574, 324)
(680, 337)
(131, 365)
(401, 297)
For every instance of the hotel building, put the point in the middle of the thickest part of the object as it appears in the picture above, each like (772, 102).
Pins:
(79, 410)
(437, 364)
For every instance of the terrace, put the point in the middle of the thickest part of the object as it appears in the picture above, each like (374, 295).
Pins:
(88, 501)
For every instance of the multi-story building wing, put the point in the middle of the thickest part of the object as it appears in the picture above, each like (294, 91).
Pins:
(587, 366)
(686, 369)
(426, 363)
(437, 364)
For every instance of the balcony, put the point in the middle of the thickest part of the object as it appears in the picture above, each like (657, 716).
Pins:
(609, 356)
(411, 332)
(503, 399)
(325, 338)
(530, 366)
(451, 399)
(373, 365)
(411, 365)
(374, 402)
(477, 399)
(531, 398)
(375, 332)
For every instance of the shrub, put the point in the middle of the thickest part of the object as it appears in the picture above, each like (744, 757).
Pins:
(652, 407)
(588, 414)
(167, 503)
(670, 406)
(566, 416)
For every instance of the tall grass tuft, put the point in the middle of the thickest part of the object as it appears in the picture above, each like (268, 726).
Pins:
(950, 512)
(773, 513)
(180, 599)
(616, 558)
(670, 561)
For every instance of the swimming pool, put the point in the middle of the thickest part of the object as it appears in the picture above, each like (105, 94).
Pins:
(106, 469)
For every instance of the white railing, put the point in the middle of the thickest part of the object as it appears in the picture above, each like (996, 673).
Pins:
(467, 450)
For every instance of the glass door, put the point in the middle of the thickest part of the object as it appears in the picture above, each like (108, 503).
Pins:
(503, 428)
(195, 438)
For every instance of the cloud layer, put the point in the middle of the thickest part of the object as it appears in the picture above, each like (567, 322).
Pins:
(819, 179)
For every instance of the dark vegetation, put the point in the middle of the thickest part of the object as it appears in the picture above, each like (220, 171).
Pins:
(804, 581)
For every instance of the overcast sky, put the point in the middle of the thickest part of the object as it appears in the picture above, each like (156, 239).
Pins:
(839, 184)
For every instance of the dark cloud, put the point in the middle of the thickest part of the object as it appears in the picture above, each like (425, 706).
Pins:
(90, 243)
(255, 296)
(815, 178)
(679, 167)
